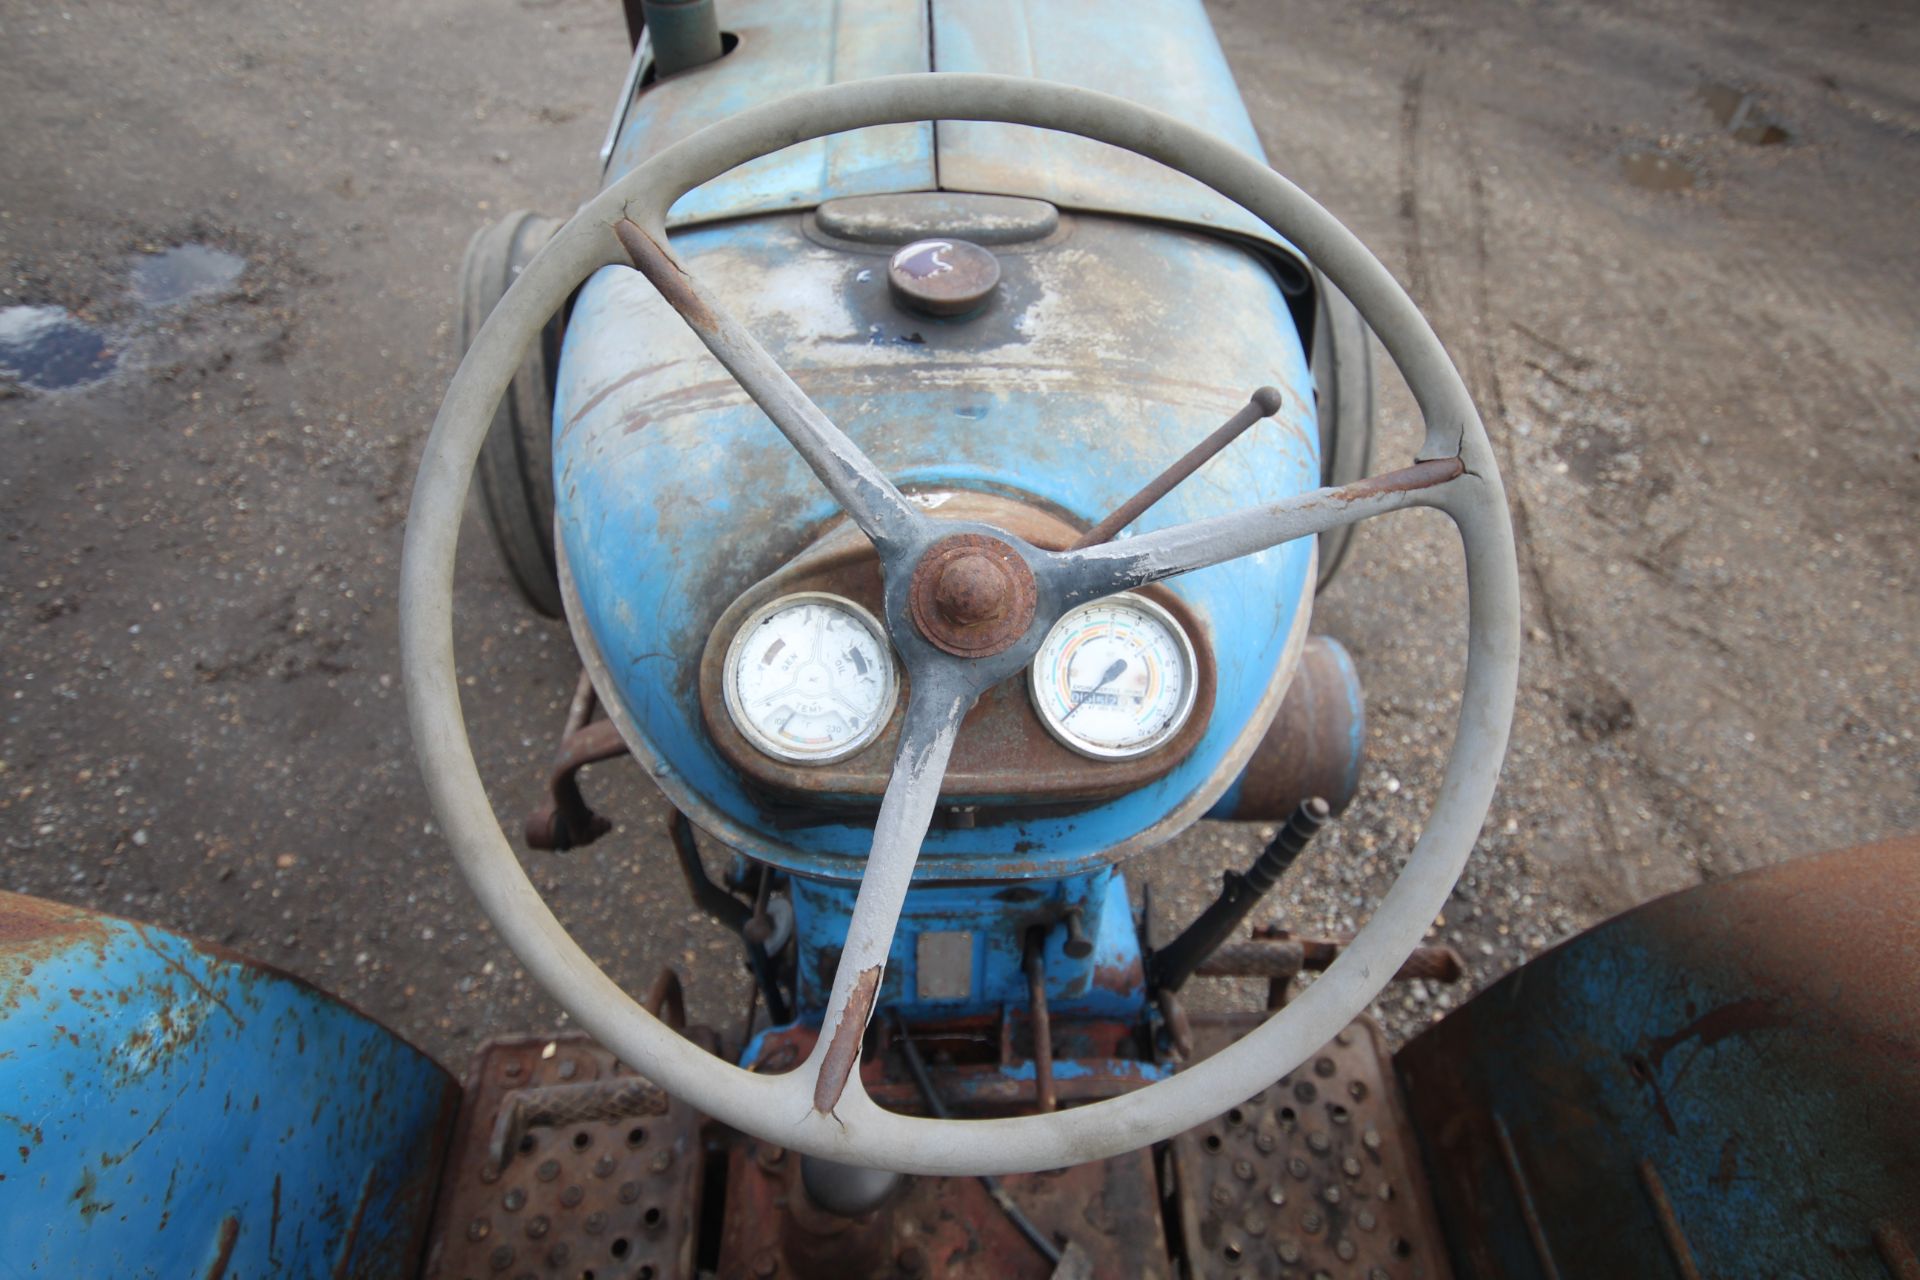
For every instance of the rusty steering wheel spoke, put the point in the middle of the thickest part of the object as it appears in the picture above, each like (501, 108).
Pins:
(944, 690)
(863, 491)
(1089, 573)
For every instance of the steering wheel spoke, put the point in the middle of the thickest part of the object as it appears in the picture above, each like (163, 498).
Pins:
(867, 496)
(941, 696)
(1090, 573)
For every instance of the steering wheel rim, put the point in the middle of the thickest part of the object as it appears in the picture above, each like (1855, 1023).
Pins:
(805, 1109)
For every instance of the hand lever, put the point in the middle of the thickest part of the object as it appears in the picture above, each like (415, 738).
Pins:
(1265, 403)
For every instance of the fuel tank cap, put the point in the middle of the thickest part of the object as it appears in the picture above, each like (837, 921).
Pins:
(942, 276)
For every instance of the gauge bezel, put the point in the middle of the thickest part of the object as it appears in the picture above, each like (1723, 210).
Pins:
(730, 684)
(1189, 693)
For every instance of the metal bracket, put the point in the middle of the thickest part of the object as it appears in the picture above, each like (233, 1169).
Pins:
(566, 821)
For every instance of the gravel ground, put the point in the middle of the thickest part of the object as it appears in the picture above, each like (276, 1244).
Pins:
(1694, 346)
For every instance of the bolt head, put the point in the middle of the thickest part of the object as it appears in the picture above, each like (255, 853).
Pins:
(972, 595)
(973, 588)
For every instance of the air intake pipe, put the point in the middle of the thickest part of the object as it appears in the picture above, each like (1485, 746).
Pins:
(686, 33)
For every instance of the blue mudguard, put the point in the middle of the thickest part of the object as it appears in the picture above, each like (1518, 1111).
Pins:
(170, 1109)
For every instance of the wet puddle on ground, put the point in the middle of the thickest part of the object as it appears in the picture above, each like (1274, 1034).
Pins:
(47, 349)
(183, 273)
(1657, 170)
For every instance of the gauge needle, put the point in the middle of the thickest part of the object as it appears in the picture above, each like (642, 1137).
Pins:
(1112, 672)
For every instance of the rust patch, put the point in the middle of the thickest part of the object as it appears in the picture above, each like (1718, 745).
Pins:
(1421, 475)
(28, 924)
(650, 259)
(1756, 1013)
(343, 1264)
(844, 1048)
(1722, 1179)
(273, 1225)
(87, 1197)
(33, 930)
(223, 1249)
(1738, 1017)
(1895, 1252)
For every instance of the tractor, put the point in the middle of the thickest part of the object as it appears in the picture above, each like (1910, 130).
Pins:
(934, 435)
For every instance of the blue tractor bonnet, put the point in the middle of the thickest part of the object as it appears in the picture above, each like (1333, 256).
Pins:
(1114, 342)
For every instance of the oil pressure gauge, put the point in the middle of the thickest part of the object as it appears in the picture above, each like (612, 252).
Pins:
(810, 678)
(1115, 678)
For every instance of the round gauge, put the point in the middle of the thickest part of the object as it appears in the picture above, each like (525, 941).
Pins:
(1115, 678)
(810, 678)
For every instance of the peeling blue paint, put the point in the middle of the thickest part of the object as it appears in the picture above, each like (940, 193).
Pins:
(1164, 56)
(162, 1103)
(1074, 388)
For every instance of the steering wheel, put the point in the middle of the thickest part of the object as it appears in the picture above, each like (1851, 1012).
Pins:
(966, 606)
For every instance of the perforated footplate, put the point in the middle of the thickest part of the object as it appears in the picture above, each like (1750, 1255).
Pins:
(1315, 1178)
(942, 1228)
(594, 1200)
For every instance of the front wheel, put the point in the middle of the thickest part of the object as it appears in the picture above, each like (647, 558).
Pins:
(1343, 381)
(516, 463)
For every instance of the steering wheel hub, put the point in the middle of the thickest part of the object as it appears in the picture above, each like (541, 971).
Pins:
(972, 595)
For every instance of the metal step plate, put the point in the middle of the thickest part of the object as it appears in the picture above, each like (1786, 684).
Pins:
(1315, 1178)
(606, 1199)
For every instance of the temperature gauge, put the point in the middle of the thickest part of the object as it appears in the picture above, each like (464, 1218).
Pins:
(1115, 678)
(810, 678)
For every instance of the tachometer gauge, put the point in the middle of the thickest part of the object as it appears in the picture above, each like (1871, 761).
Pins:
(1115, 678)
(810, 678)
